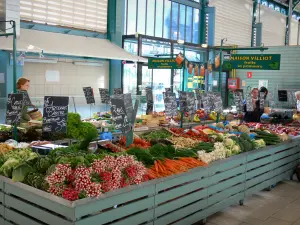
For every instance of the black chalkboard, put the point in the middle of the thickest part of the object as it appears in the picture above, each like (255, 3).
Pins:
(182, 101)
(26, 99)
(14, 107)
(118, 91)
(282, 96)
(129, 107)
(218, 103)
(199, 98)
(170, 104)
(190, 102)
(249, 104)
(261, 100)
(89, 95)
(238, 99)
(149, 98)
(212, 102)
(119, 115)
(104, 94)
(55, 114)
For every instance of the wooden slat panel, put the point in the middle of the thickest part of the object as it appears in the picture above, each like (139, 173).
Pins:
(7, 223)
(256, 180)
(227, 164)
(137, 219)
(226, 184)
(2, 221)
(259, 162)
(1, 197)
(283, 146)
(2, 210)
(180, 202)
(228, 173)
(107, 201)
(19, 218)
(225, 194)
(1, 183)
(258, 188)
(224, 204)
(183, 212)
(286, 153)
(258, 171)
(284, 161)
(19, 190)
(196, 217)
(179, 191)
(196, 174)
(118, 213)
(35, 212)
(284, 168)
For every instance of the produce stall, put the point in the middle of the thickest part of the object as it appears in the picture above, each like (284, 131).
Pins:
(168, 176)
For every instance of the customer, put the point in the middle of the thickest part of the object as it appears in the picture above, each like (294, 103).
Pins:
(253, 116)
(23, 85)
(297, 95)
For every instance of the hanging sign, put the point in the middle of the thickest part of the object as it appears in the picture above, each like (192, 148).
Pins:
(14, 107)
(89, 95)
(104, 94)
(149, 98)
(119, 115)
(55, 114)
(253, 62)
(170, 104)
(164, 63)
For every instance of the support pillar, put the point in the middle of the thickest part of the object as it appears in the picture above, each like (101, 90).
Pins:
(253, 22)
(288, 23)
(202, 33)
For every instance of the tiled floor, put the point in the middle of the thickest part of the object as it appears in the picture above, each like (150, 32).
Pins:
(280, 206)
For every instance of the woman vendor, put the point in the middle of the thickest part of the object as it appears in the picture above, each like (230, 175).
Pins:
(22, 87)
(297, 95)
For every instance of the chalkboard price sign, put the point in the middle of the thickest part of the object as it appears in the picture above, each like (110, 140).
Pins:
(170, 104)
(118, 91)
(218, 103)
(238, 99)
(249, 103)
(129, 107)
(104, 94)
(14, 108)
(282, 96)
(119, 115)
(55, 114)
(26, 99)
(199, 98)
(212, 102)
(190, 102)
(183, 101)
(89, 95)
(149, 98)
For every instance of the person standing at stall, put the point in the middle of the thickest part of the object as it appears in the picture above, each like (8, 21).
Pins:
(23, 85)
(297, 95)
(253, 116)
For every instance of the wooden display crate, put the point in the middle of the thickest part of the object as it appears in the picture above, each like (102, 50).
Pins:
(180, 199)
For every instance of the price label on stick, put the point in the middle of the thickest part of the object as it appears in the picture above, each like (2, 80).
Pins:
(14, 107)
(238, 99)
(119, 115)
(170, 104)
(55, 114)
(190, 102)
(183, 101)
(26, 99)
(89, 95)
(118, 91)
(149, 98)
(261, 100)
(217, 103)
(199, 98)
(104, 94)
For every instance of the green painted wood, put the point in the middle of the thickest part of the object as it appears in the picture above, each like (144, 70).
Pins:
(88, 206)
(259, 162)
(118, 213)
(1, 183)
(192, 175)
(179, 191)
(224, 204)
(194, 218)
(227, 174)
(180, 213)
(283, 169)
(7, 223)
(284, 161)
(35, 212)
(46, 201)
(293, 151)
(20, 219)
(2, 210)
(218, 197)
(258, 171)
(1, 197)
(257, 180)
(226, 164)
(2, 221)
(137, 219)
(281, 177)
(284, 146)
(258, 187)
(226, 184)
(180, 202)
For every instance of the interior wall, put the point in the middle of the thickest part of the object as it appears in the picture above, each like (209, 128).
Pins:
(294, 32)
(72, 79)
(233, 20)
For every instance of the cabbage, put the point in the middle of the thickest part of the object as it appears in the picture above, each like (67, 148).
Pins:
(7, 168)
(228, 142)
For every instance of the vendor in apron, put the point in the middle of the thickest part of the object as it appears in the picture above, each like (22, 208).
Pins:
(23, 85)
(253, 116)
(297, 95)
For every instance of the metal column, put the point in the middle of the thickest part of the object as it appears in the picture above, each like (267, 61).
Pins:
(288, 23)
(253, 21)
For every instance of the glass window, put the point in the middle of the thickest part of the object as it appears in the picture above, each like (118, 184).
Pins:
(277, 8)
(130, 45)
(283, 11)
(161, 80)
(130, 78)
(150, 17)
(188, 26)
(159, 18)
(271, 5)
(196, 26)
(182, 22)
(141, 16)
(175, 16)
(151, 48)
(131, 23)
(167, 19)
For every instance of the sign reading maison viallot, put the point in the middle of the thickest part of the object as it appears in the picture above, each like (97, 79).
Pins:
(89, 95)
(14, 107)
(55, 114)
(253, 62)
(164, 63)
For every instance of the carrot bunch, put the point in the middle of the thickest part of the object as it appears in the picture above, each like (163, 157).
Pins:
(167, 167)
